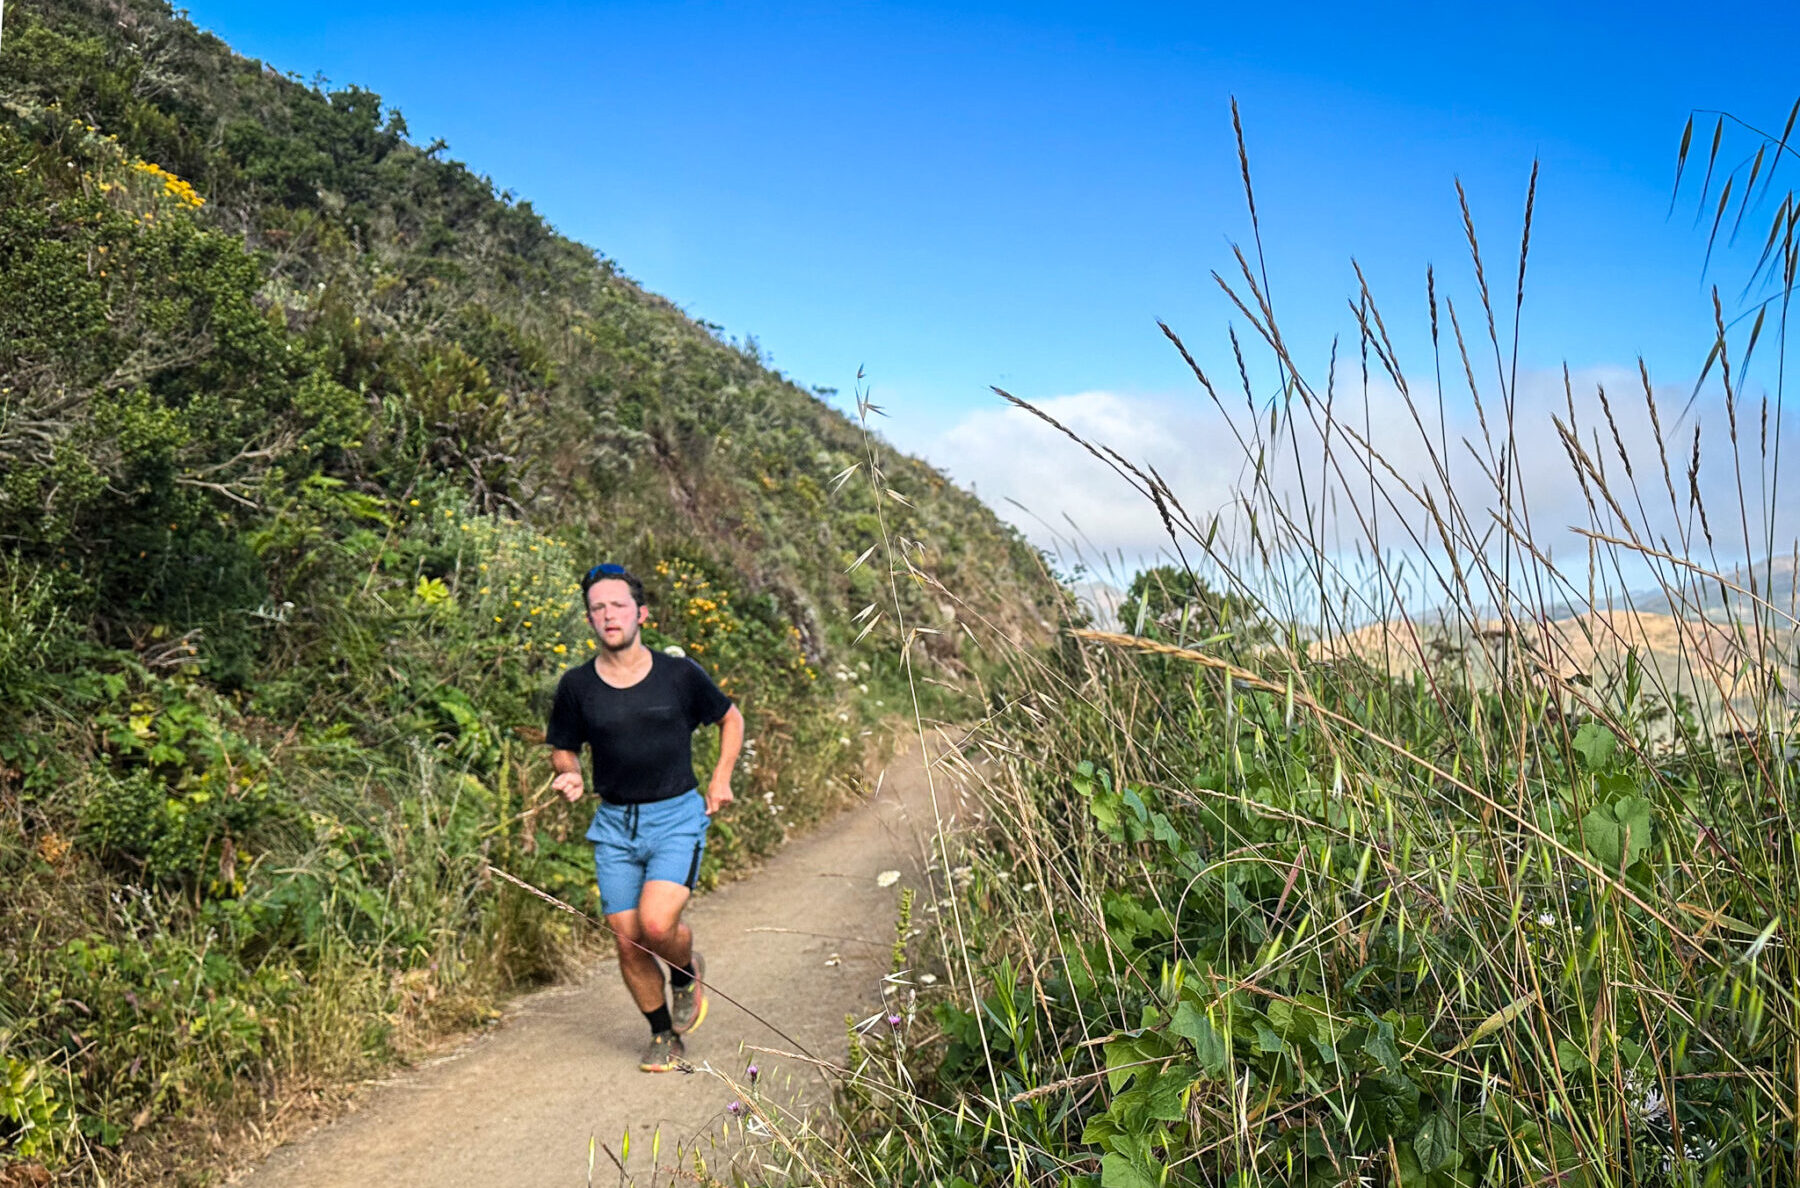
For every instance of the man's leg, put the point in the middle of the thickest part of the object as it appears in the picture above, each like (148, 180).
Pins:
(659, 921)
(659, 932)
(619, 867)
(643, 977)
(673, 941)
(620, 873)
(670, 868)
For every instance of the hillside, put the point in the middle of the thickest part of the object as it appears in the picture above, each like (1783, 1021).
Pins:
(1770, 581)
(1700, 662)
(396, 323)
(1693, 593)
(306, 434)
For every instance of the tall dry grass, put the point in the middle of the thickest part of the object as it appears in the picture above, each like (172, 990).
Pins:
(1306, 878)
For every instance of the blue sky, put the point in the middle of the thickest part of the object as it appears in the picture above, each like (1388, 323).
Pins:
(959, 196)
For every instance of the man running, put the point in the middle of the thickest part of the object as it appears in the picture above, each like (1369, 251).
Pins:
(636, 710)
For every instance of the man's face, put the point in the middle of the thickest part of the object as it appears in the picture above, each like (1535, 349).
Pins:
(613, 615)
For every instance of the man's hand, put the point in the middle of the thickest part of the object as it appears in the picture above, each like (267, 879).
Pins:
(718, 793)
(570, 785)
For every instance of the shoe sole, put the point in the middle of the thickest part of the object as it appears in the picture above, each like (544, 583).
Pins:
(700, 996)
(674, 1064)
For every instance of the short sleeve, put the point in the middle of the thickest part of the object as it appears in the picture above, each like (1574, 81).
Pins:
(706, 702)
(567, 728)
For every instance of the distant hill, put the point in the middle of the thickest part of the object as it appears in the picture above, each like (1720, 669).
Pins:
(1712, 665)
(1695, 594)
(1772, 580)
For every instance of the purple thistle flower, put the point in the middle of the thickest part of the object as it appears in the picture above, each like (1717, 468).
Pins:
(735, 1108)
(752, 1072)
(894, 1021)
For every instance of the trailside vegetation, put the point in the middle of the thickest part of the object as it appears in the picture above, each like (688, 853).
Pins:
(306, 435)
(1283, 884)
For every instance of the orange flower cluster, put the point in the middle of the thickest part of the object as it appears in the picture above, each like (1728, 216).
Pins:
(705, 622)
(177, 188)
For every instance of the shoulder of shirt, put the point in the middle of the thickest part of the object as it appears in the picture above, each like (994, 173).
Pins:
(574, 673)
(688, 666)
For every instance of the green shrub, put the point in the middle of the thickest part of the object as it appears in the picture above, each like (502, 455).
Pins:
(33, 1122)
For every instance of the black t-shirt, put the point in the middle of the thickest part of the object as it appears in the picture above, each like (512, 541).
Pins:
(641, 738)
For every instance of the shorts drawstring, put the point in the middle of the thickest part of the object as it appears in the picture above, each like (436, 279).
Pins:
(631, 818)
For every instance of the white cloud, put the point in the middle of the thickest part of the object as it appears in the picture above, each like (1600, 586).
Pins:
(1011, 457)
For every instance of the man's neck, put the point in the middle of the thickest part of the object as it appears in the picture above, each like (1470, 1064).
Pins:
(623, 662)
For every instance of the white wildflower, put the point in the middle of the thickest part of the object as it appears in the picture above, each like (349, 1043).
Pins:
(887, 878)
(1645, 1096)
(675, 650)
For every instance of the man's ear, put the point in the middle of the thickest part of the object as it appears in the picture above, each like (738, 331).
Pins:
(643, 615)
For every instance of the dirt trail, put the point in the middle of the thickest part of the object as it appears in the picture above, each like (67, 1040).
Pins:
(803, 942)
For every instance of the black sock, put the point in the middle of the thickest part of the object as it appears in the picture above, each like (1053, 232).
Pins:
(679, 978)
(659, 1020)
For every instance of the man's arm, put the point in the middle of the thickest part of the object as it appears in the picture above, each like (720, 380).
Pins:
(568, 773)
(731, 741)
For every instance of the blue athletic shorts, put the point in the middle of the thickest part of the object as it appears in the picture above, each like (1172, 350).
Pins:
(662, 840)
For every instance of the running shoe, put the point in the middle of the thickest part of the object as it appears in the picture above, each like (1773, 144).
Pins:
(687, 1006)
(664, 1053)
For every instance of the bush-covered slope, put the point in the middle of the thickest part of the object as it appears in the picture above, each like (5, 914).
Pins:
(305, 435)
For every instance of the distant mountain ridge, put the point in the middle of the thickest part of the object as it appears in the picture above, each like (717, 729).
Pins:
(1772, 580)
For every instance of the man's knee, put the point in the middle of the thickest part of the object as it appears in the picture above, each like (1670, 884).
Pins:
(627, 930)
(660, 931)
